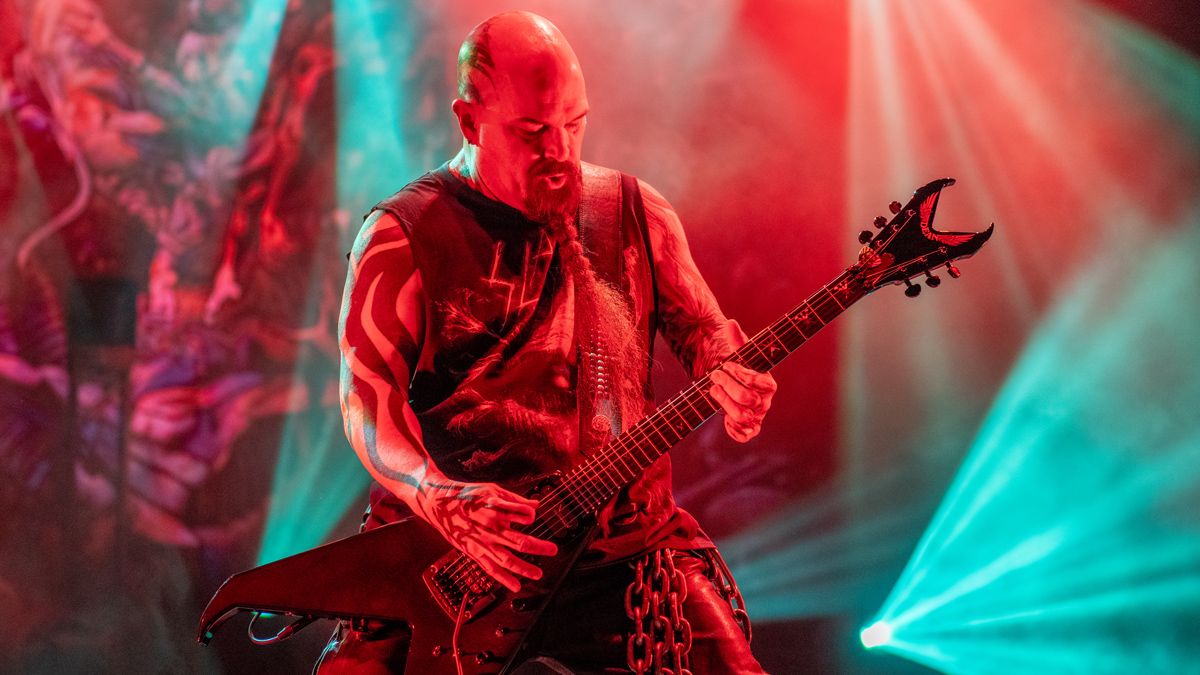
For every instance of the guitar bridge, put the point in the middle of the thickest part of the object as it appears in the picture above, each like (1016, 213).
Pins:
(451, 581)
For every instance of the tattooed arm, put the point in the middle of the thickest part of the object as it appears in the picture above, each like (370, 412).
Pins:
(695, 327)
(380, 330)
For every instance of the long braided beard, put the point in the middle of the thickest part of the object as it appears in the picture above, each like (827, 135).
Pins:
(605, 313)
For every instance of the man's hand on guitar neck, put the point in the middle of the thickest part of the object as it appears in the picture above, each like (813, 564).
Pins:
(478, 519)
(745, 397)
(693, 324)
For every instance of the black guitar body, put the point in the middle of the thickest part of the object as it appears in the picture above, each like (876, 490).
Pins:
(386, 574)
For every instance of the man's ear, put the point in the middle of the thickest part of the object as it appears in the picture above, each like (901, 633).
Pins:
(468, 121)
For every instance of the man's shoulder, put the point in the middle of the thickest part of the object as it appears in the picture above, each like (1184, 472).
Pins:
(410, 202)
(648, 191)
(652, 198)
(589, 169)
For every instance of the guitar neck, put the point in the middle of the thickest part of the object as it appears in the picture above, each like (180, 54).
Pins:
(594, 482)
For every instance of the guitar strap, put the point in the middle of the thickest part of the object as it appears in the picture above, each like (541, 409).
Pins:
(611, 204)
(600, 233)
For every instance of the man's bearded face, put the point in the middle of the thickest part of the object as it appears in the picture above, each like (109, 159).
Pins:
(531, 120)
(552, 190)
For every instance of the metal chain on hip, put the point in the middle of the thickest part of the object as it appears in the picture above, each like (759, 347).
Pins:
(661, 635)
(722, 579)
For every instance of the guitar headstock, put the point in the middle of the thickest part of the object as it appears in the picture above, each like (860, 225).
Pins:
(907, 246)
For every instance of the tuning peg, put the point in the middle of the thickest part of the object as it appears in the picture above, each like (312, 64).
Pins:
(953, 271)
(913, 290)
(932, 280)
(865, 236)
(880, 221)
(895, 207)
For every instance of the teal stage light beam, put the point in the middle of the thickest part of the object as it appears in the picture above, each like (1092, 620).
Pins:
(1070, 540)
(312, 487)
(375, 43)
(1067, 541)
(249, 62)
(318, 478)
(229, 103)
(834, 552)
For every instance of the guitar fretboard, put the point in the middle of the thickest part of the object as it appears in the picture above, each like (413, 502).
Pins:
(589, 486)
(594, 482)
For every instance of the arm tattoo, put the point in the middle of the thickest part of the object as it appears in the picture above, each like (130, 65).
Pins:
(379, 333)
(693, 323)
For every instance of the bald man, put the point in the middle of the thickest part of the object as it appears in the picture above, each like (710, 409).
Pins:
(466, 291)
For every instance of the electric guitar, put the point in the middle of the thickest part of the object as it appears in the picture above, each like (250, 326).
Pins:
(464, 622)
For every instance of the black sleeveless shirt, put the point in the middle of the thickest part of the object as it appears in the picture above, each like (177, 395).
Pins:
(494, 384)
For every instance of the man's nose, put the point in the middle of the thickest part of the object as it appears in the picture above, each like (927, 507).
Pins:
(556, 144)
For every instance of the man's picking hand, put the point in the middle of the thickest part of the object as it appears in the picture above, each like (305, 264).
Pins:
(478, 519)
(744, 396)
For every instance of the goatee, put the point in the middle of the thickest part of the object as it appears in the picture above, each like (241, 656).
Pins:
(604, 310)
(543, 203)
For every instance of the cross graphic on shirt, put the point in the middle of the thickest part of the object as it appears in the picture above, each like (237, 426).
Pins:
(519, 296)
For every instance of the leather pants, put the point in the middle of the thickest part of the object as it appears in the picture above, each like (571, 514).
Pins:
(582, 632)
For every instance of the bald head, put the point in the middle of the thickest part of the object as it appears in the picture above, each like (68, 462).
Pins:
(522, 107)
(514, 50)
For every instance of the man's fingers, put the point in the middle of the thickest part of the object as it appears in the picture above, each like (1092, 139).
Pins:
(496, 520)
(733, 408)
(522, 567)
(740, 424)
(525, 543)
(740, 433)
(521, 510)
(722, 398)
(498, 573)
(760, 382)
(499, 516)
(743, 395)
(509, 562)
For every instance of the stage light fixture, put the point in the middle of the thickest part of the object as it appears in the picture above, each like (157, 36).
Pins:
(876, 635)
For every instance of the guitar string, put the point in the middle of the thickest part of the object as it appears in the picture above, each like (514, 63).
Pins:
(592, 471)
(650, 424)
(641, 433)
(555, 499)
(467, 567)
(597, 494)
(588, 476)
(588, 473)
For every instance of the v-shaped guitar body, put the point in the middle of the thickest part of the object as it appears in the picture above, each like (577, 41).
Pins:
(383, 575)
